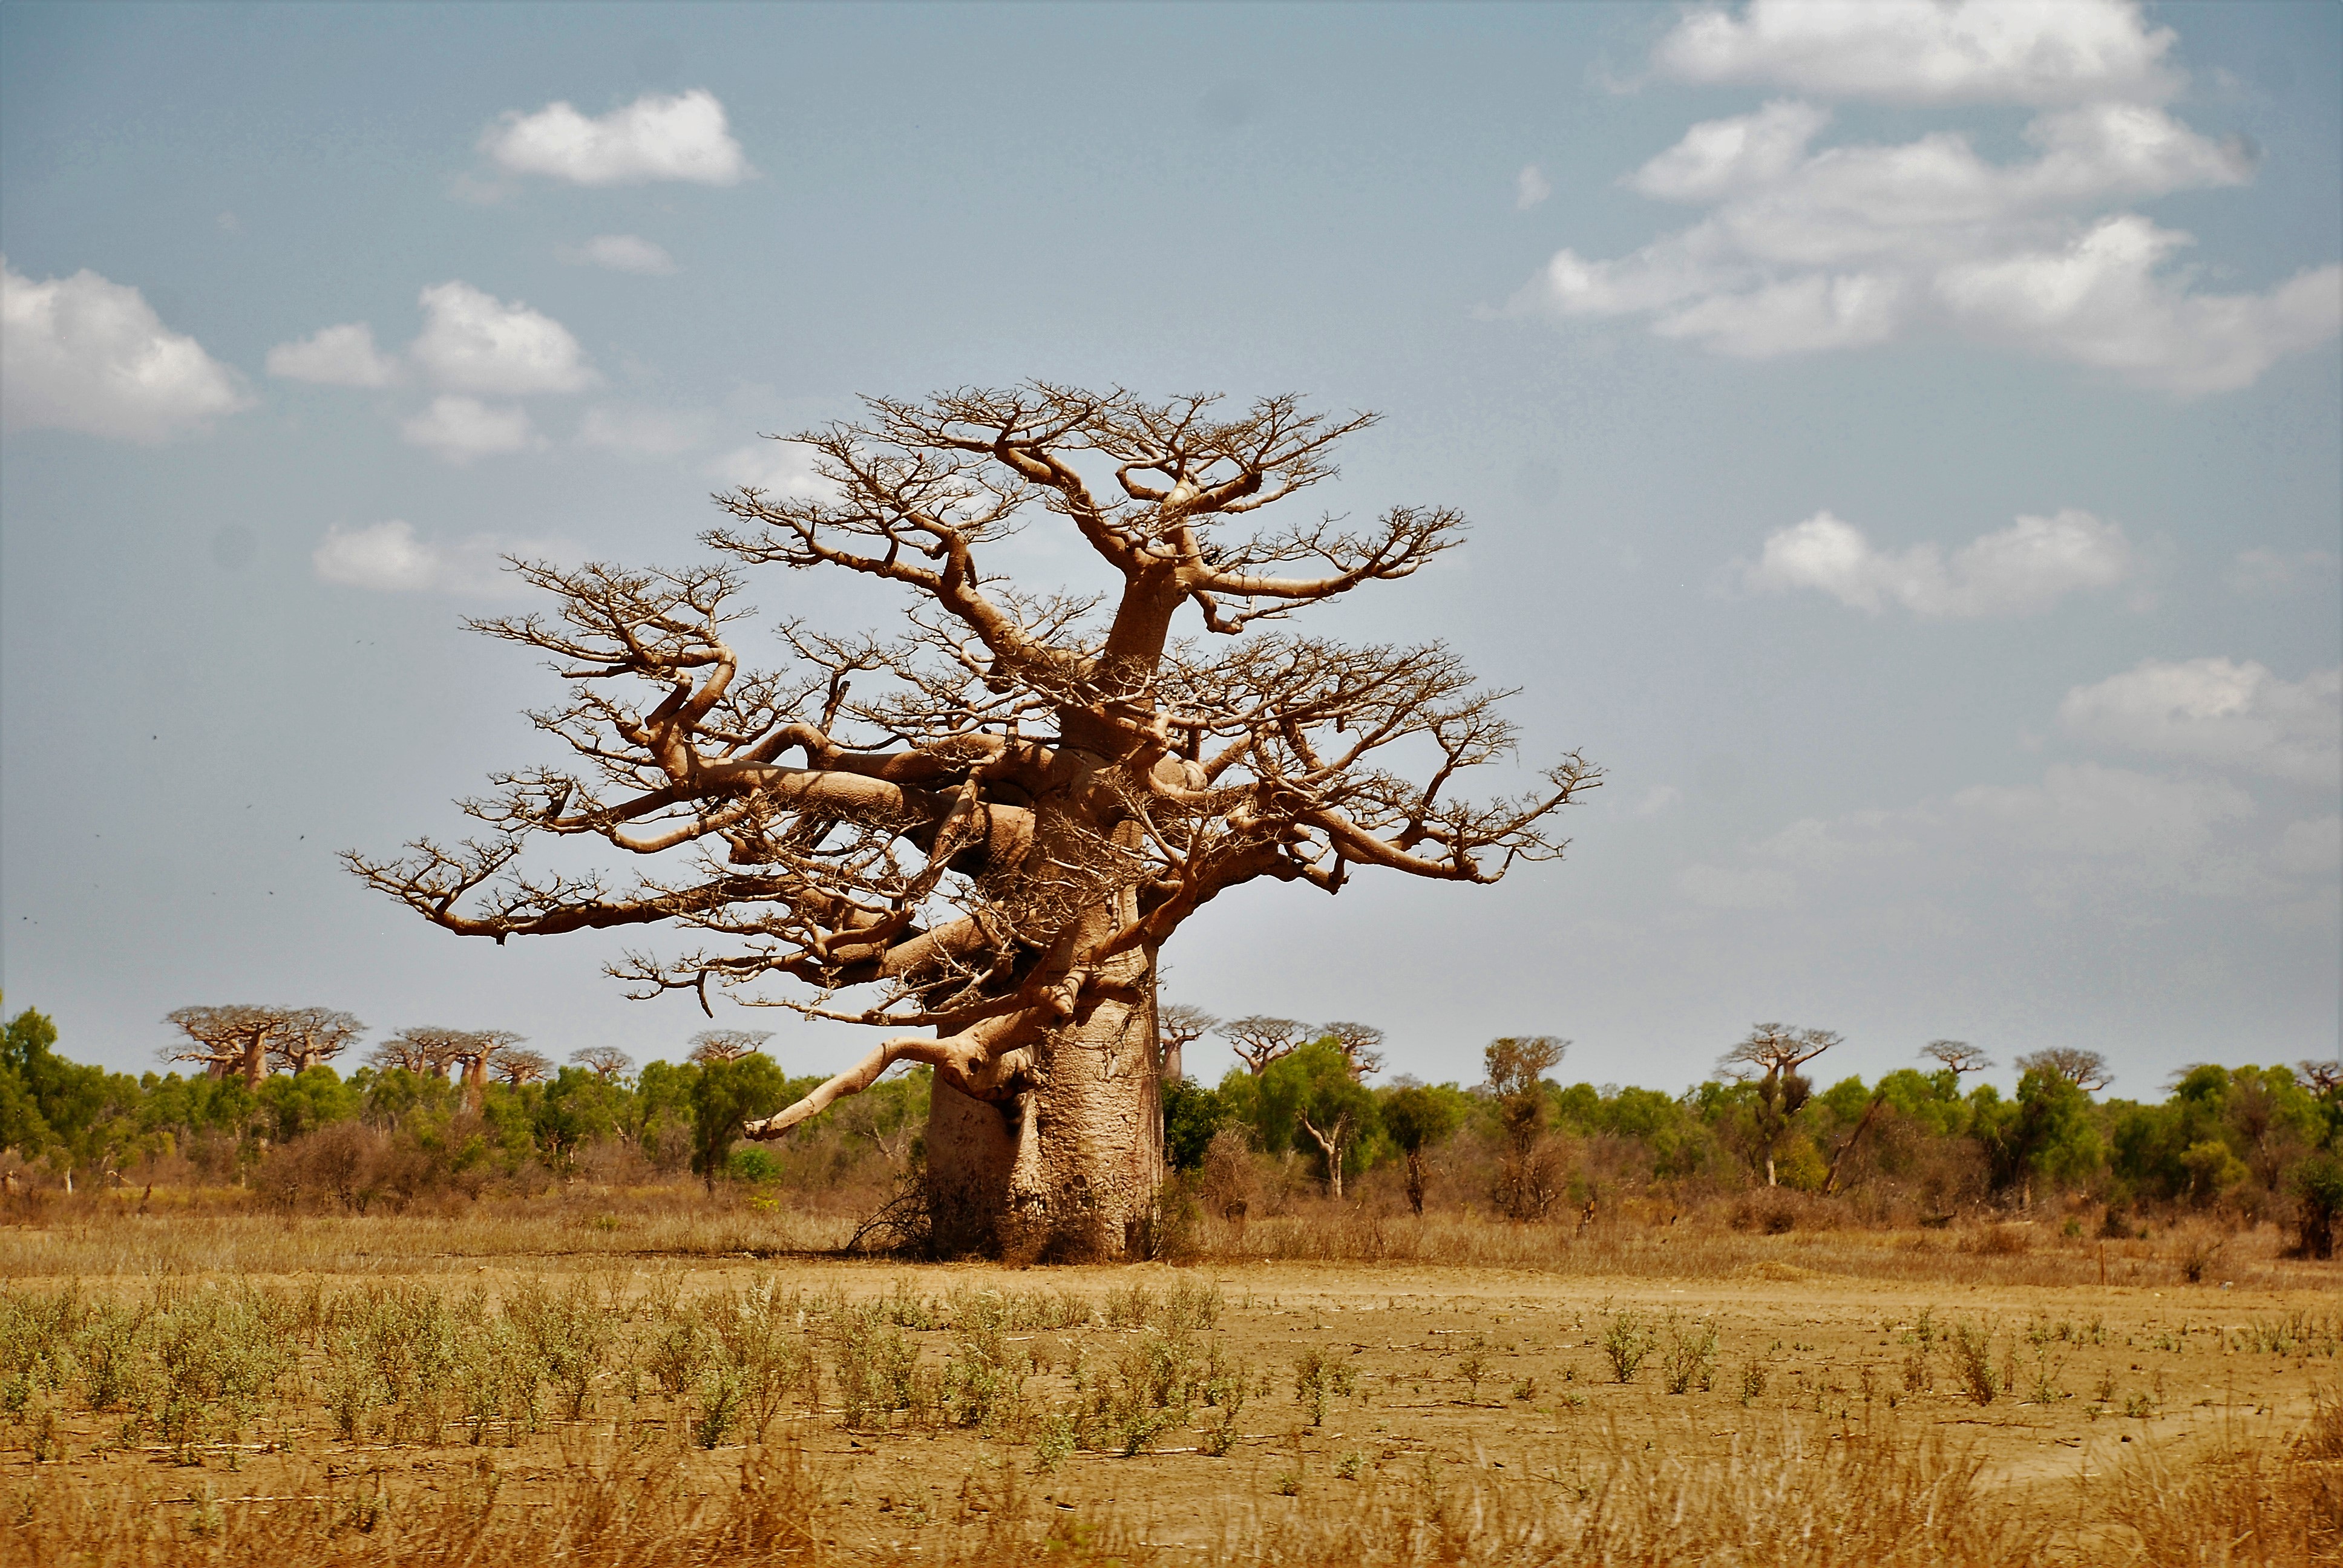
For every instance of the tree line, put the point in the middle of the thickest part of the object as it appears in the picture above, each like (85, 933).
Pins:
(2252, 1141)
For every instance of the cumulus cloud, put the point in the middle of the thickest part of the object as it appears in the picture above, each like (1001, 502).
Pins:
(684, 138)
(2099, 301)
(2216, 710)
(2023, 570)
(460, 429)
(334, 357)
(474, 342)
(1929, 51)
(622, 253)
(87, 354)
(1806, 247)
(388, 559)
(1529, 187)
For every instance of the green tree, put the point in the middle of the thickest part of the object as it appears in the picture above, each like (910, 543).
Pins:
(578, 1105)
(298, 1104)
(1418, 1118)
(56, 1106)
(2049, 1133)
(1192, 1114)
(1315, 1091)
(725, 1097)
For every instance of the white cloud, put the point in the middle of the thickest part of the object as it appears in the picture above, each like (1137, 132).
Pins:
(1806, 249)
(334, 357)
(2259, 572)
(683, 138)
(782, 467)
(474, 342)
(87, 354)
(1529, 187)
(622, 253)
(388, 559)
(462, 429)
(2024, 568)
(1717, 156)
(1929, 51)
(637, 432)
(2098, 301)
(2219, 711)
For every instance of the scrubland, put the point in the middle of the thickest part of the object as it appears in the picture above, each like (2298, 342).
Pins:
(656, 1376)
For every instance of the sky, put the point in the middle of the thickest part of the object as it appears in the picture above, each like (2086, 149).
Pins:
(1903, 443)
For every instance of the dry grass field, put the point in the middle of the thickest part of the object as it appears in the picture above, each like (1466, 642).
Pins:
(650, 1379)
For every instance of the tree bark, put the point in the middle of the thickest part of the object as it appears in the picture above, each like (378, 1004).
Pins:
(1331, 1142)
(1066, 1171)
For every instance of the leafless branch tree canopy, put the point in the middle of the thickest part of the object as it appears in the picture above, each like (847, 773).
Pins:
(247, 1040)
(2085, 1069)
(968, 827)
(606, 1062)
(728, 1044)
(1957, 1056)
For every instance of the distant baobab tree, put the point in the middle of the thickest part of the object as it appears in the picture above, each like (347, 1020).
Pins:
(312, 1036)
(728, 1044)
(2085, 1069)
(1259, 1040)
(1772, 1056)
(240, 1039)
(1360, 1043)
(515, 1066)
(1956, 1056)
(604, 1061)
(975, 829)
(1177, 1028)
(464, 1054)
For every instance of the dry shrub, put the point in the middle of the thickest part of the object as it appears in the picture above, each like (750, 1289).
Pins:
(2010, 1240)
(1776, 1210)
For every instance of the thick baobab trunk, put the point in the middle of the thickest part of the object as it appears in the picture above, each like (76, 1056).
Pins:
(255, 1065)
(1066, 1171)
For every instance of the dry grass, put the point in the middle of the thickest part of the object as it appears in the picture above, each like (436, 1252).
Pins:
(606, 1379)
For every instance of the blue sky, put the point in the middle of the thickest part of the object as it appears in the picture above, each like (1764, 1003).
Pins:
(1902, 442)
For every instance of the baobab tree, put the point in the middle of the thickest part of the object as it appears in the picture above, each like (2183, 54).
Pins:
(515, 1066)
(976, 834)
(2085, 1069)
(313, 1036)
(232, 1040)
(1259, 1040)
(1956, 1057)
(418, 1051)
(1177, 1028)
(727, 1045)
(464, 1054)
(1360, 1043)
(607, 1062)
(1772, 1054)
